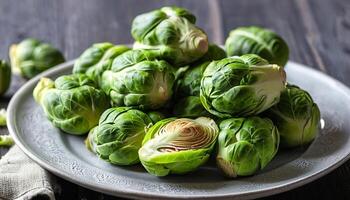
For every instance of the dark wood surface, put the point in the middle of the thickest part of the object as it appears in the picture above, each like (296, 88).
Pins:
(317, 32)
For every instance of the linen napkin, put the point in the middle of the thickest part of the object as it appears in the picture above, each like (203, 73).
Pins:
(23, 179)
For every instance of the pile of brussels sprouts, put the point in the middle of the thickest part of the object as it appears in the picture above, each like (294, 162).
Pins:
(175, 99)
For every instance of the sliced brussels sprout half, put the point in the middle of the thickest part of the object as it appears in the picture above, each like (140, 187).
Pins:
(171, 33)
(296, 117)
(178, 146)
(71, 102)
(143, 84)
(97, 59)
(5, 76)
(257, 40)
(31, 57)
(241, 86)
(119, 135)
(246, 145)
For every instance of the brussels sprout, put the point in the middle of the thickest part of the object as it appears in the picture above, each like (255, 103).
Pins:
(214, 53)
(178, 146)
(188, 83)
(246, 145)
(260, 41)
(191, 107)
(6, 141)
(72, 103)
(31, 57)
(143, 85)
(119, 135)
(133, 57)
(155, 116)
(3, 120)
(5, 76)
(97, 59)
(296, 117)
(241, 86)
(171, 33)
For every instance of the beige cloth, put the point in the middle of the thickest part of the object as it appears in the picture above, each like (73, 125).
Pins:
(22, 179)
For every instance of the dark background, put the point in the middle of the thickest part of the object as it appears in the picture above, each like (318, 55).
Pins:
(317, 32)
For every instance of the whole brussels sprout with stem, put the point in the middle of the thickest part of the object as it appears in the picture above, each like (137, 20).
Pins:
(241, 86)
(178, 146)
(257, 40)
(139, 83)
(171, 33)
(31, 57)
(119, 135)
(188, 83)
(5, 76)
(97, 59)
(296, 117)
(71, 102)
(246, 145)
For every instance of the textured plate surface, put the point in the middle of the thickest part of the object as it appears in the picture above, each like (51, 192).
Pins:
(66, 156)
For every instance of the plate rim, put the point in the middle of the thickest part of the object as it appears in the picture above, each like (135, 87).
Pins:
(124, 192)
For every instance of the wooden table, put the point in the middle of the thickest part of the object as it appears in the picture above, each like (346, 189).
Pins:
(317, 32)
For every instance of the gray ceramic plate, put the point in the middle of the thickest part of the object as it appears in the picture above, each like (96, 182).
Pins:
(66, 156)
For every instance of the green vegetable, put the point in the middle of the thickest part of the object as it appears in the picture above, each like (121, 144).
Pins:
(72, 103)
(214, 53)
(241, 86)
(178, 146)
(31, 57)
(97, 59)
(191, 107)
(119, 135)
(3, 117)
(188, 83)
(246, 145)
(138, 82)
(171, 33)
(5, 76)
(133, 57)
(296, 117)
(190, 80)
(155, 116)
(6, 141)
(260, 41)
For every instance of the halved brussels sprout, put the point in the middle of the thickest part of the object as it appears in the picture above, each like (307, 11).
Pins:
(256, 40)
(31, 57)
(246, 145)
(139, 84)
(171, 33)
(72, 103)
(119, 135)
(97, 59)
(178, 146)
(5, 76)
(241, 86)
(296, 117)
